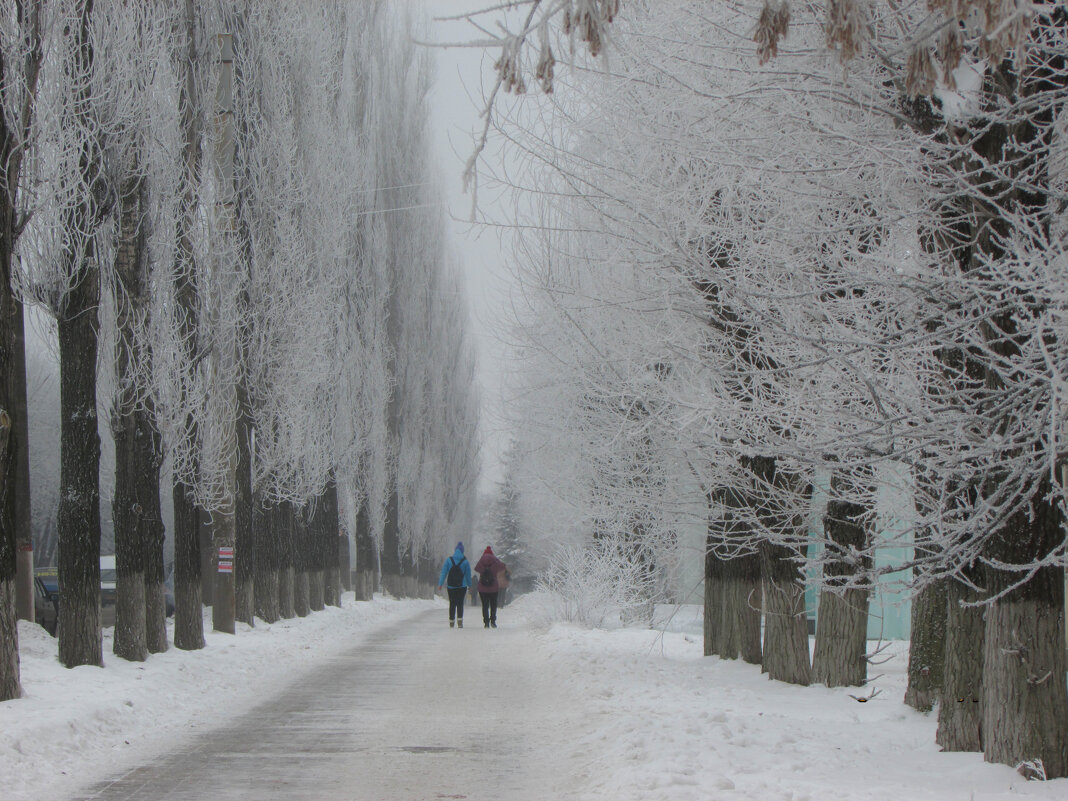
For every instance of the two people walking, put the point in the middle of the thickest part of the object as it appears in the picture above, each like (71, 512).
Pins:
(456, 578)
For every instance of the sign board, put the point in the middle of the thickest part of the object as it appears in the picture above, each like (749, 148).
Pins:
(226, 553)
(25, 546)
(226, 566)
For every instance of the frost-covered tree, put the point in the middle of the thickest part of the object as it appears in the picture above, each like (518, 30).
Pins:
(895, 281)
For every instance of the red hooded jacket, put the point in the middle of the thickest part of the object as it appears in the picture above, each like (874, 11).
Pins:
(489, 562)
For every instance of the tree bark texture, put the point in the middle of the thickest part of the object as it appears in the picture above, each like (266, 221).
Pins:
(16, 542)
(78, 517)
(10, 686)
(927, 646)
(266, 527)
(286, 573)
(331, 531)
(365, 555)
(840, 655)
(344, 562)
(390, 555)
(299, 548)
(315, 554)
(736, 591)
(786, 648)
(1025, 700)
(960, 707)
(188, 617)
(188, 585)
(244, 538)
(713, 572)
(14, 366)
(786, 652)
(136, 465)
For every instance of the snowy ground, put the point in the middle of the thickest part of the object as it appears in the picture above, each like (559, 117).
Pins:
(656, 719)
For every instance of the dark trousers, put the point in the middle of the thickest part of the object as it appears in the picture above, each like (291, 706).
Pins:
(456, 602)
(489, 607)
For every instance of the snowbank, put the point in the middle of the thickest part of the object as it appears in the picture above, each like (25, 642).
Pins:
(74, 727)
(668, 723)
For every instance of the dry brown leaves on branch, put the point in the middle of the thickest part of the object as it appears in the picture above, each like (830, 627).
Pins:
(773, 25)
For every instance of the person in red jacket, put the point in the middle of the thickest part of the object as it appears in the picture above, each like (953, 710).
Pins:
(488, 569)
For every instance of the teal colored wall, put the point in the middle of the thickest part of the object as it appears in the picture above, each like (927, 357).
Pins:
(890, 607)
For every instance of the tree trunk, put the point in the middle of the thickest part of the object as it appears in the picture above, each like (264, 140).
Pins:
(786, 651)
(285, 542)
(365, 555)
(134, 452)
(188, 586)
(78, 518)
(390, 555)
(331, 551)
(16, 539)
(786, 654)
(131, 638)
(741, 609)
(713, 624)
(154, 535)
(960, 708)
(245, 540)
(15, 402)
(266, 531)
(301, 560)
(927, 647)
(206, 549)
(188, 617)
(9, 633)
(840, 655)
(315, 555)
(1025, 700)
(344, 562)
(736, 623)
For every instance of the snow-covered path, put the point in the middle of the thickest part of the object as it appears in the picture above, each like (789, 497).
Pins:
(416, 711)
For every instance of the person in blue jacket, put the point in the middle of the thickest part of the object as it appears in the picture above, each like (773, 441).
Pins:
(456, 577)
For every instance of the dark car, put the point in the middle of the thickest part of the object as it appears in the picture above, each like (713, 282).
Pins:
(46, 598)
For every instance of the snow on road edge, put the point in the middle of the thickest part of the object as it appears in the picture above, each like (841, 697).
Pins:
(75, 727)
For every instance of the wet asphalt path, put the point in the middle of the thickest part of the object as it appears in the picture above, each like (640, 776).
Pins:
(417, 711)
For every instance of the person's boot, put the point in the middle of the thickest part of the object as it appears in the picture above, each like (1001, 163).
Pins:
(493, 624)
(452, 623)
(460, 623)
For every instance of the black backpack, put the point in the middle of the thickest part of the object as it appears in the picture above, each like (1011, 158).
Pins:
(455, 575)
(487, 578)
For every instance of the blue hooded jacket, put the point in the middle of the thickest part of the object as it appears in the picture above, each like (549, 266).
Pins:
(455, 559)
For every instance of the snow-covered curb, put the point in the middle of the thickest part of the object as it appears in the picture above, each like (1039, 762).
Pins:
(74, 727)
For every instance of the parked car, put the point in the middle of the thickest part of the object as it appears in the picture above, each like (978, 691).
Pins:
(46, 598)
